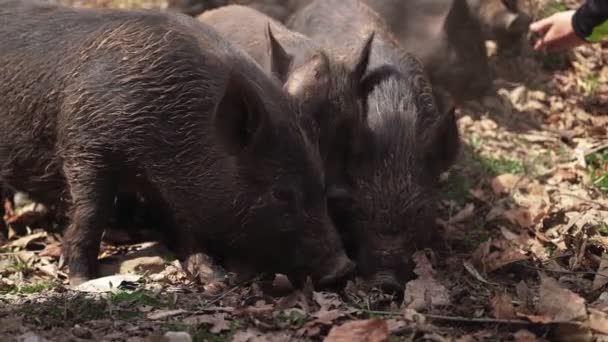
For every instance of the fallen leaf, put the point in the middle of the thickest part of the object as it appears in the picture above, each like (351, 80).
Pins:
(526, 336)
(495, 254)
(503, 184)
(503, 306)
(52, 250)
(108, 284)
(524, 217)
(601, 277)
(162, 314)
(558, 303)
(598, 321)
(371, 330)
(23, 242)
(524, 294)
(463, 215)
(480, 195)
(424, 292)
(177, 336)
(327, 300)
(218, 322)
(152, 264)
(324, 316)
(564, 175)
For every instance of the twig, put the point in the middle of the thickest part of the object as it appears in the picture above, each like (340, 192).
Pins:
(222, 295)
(564, 271)
(234, 288)
(603, 206)
(481, 320)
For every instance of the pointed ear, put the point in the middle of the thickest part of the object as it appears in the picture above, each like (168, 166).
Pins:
(458, 12)
(442, 142)
(239, 116)
(279, 61)
(310, 82)
(363, 57)
(374, 77)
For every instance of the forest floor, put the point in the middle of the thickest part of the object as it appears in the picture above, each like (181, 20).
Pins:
(525, 217)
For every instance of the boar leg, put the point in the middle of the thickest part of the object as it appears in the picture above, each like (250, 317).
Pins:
(92, 193)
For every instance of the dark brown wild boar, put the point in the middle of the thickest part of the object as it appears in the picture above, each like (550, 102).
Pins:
(389, 211)
(277, 9)
(97, 102)
(326, 87)
(447, 37)
(502, 21)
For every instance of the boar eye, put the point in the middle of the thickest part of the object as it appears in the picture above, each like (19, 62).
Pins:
(283, 194)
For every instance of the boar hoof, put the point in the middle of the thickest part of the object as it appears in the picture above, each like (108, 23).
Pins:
(344, 267)
(78, 279)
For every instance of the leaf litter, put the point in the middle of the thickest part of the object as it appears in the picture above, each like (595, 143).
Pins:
(525, 252)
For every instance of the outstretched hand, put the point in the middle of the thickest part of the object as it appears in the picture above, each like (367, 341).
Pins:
(558, 33)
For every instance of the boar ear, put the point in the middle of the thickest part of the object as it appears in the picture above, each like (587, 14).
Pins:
(310, 82)
(517, 22)
(363, 57)
(239, 115)
(458, 13)
(374, 77)
(443, 142)
(279, 60)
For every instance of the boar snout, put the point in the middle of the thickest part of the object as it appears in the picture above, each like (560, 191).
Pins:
(339, 267)
(387, 282)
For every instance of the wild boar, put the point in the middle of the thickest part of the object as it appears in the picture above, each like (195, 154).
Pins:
(389, 211)
(502, 21)
(447, 37)
(102, 101)
(277, 9)
(327, 87)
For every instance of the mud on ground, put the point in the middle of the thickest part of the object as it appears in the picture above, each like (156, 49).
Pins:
(524, 215)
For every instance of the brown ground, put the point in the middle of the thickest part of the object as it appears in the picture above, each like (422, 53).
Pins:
(525, 259)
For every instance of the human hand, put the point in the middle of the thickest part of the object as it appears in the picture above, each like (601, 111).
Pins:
(558, 32)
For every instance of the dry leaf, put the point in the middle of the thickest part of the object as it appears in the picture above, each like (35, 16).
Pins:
(598, 321)
(526, 336)
(503, 306)
(162, 314)
(52, 250)
(371, 330)
(503, 184)
(524, 294)
(327, 300)
(151, 264)
(218, 322)
(558, 303)
(324, 316)
(463, 215)
(601, 277)
(494, 254)
(23, 242)
(424, 292)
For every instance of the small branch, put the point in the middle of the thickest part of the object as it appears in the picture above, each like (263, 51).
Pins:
(601, 205)
(481, 320)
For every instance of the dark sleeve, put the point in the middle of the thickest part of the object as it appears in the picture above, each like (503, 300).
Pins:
(589, 16)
